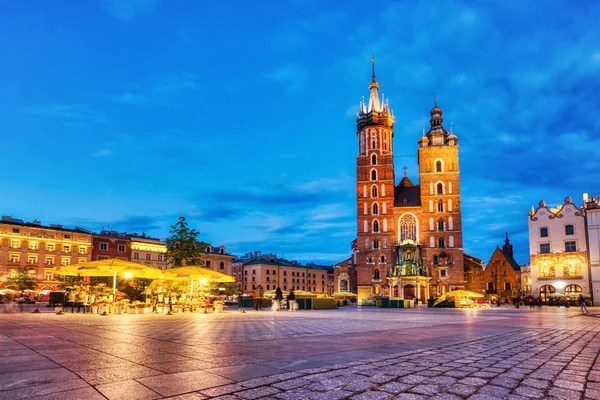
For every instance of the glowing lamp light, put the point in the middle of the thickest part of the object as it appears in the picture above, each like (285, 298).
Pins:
(221, 288)
(203, 281)
(127, 275)
(560, 285)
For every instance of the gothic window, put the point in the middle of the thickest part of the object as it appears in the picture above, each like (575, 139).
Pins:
(375, 209)
(450, 204)
(376, 274)
(451, 241)
(440, 225)
(431, 241)
(373, 140)
(408, 227)
(431, 225)
(441, 243)
(438, 166)
(373, 159)
(375, 244)
(440, 188)
(440, 205)
(450, 223)
(382, 259)
(375, 226)
(507, 286)
(373, 175)
(366, 226)
(374, 191)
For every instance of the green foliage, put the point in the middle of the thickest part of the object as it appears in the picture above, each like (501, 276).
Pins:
(22, 280)
(183, 247)
(68, 281)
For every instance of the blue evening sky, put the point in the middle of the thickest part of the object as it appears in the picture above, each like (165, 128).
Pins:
(239, 115)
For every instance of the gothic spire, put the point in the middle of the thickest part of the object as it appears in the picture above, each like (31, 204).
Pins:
(374, 104)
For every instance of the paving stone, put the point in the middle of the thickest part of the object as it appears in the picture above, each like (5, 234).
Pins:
(292, 383)
(413, 379)
(473, 381)
(394, 387)
(294, 394)
(568, 384)
(426, 389)
(505, 382)
(332, 395)
(359, 386)
(410, 396)
(564, 394)
(446, 396)
(493, 390)
(374, 395)
(528, 391)
(266, 380)
(326, 384)
(257, 393)
(592, 394)
(460, 389)
(221, 390)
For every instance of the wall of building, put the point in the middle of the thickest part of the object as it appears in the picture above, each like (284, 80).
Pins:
(593, 229)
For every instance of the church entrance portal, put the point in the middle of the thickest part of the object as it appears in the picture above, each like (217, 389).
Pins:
(409, 291)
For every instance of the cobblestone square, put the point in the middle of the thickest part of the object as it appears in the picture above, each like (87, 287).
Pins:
(351, 353)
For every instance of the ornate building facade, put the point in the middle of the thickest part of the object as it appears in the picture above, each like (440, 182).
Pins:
(558, 250)
(409, 236)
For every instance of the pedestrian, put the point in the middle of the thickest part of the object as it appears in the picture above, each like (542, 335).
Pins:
(291, 299)
(538, 301)
(278, 297)
(582, 304)
(258, 297)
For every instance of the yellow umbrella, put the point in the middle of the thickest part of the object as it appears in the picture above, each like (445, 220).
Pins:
(302, 293)
(198, 273)
(110, 267)
(457, 293)
(344, 294)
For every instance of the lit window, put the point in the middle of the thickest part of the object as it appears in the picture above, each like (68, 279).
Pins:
(65, 261)
(32, 260)
(48, 275)
(66, 249)
(82, 250)
(50, 247)
(33, 245)
(15, 244)
(569, 230)
(544, 248)
(121, 248)
(571, 246)
(544, 232)
(49, 261)
(14, 258)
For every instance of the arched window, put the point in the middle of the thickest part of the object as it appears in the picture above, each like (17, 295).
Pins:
(375, 209)
(373, 140)
(573, 290)
(440, 188)
(441, 243)
(408, 227)
(507, 286)
(373, 175)
(451, 241)
(450, 223)
(374, 191)
(373, 159)
(440, 205)
(440, 225)
(431, 241)
(375, 244)
(376, 274)
(438, 166)
(375, 226)
(546, 291)
(436, 259)
(382, 259)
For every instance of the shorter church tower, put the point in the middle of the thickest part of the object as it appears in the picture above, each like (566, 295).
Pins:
(374, 192)
(441, 228)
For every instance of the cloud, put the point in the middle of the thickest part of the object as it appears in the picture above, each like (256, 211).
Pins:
(159, 92)
(103, 153)
(68, 113)
(127, 10)
(292, 76)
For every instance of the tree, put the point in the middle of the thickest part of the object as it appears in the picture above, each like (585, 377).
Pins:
(183, 247)
(22, 280)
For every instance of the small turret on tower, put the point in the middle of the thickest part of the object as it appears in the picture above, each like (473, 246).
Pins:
(437, 135)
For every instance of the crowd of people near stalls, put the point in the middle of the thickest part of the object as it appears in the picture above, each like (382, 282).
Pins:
(23, 298)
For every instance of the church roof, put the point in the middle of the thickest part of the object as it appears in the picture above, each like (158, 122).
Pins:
(406, 194)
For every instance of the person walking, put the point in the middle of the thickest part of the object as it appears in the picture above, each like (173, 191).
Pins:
(582, 304)
(278, 297)
(291, 299)
(258, 297)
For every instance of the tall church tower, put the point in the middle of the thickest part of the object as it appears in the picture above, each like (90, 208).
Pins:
(441, 227)
(374, 192)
